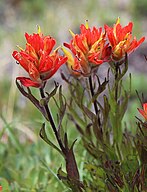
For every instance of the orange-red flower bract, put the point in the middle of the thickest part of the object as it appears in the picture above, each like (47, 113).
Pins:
(87, 50)
(143, 111)
(121, 40)
(38, 59)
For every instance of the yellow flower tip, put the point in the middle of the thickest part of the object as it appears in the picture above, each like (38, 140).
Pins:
(72, 33)
(28, 44)
(20, 47)
(62, 47)
(127, 35)
(56, 50)
(39, 29)
(118, 21)
(86, 24)
(66, 52)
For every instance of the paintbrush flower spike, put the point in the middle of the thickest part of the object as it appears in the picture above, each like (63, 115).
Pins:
(121, 40)
(88, 50)
(38, 59)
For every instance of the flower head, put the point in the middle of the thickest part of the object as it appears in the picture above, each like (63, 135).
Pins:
(1, 188)
(143, 111)
(87, 50)
(121, 40)
(38, 59)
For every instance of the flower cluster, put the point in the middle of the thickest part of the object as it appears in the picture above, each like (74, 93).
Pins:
(92, 47)
(121, 40)
(38, 60)
(88, 50)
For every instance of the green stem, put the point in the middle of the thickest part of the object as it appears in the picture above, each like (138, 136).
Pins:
(117, 127)
(116, 82)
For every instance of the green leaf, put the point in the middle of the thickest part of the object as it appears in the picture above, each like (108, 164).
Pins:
(101, 88)
(61, 174)
(30, 97)
(44, 137)
(89, 113)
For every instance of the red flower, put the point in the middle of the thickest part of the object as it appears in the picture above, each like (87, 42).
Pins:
(121, 40)
(38, 60)
(88, 50)
(1, 188)
(143, 111)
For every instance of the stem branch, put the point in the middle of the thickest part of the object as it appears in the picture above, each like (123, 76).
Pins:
(49, 115)
(95, 104)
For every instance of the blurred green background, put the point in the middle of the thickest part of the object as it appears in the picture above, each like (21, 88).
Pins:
(26, 163)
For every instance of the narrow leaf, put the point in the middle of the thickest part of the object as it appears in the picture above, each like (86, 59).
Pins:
(44, 137)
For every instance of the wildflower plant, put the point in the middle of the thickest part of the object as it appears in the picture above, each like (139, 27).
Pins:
(115, 158)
